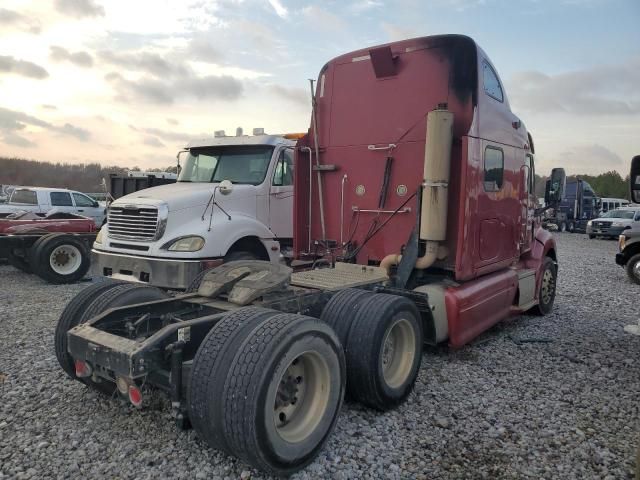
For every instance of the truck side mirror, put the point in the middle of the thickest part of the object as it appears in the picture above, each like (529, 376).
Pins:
(554, 188)
(634, 179)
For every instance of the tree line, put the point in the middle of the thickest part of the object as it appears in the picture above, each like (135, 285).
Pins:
(85, 177)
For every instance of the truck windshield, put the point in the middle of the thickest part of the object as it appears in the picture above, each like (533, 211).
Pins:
(238, 164)
(628, 214)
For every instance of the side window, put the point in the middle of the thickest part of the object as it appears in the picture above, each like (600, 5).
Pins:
(283, 175)
(493, 169)
(491, 83)
(61, 199)
(82, 200)
(28, 197)
(530, 178)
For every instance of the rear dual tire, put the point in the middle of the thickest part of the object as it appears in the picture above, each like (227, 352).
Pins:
(90, 302)
(268, 388)
(382, 335)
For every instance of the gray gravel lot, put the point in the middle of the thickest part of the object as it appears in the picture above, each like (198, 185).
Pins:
(566, 408)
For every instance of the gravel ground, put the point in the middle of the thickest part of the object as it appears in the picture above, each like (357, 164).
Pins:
(564, 406)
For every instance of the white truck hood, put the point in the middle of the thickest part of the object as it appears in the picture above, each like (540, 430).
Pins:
(183, 195)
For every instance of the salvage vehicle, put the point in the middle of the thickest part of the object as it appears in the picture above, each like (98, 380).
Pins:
(54, 246)
(233, 200)
(414, 193)
(629, 241)
(614, 222)
(42, 200)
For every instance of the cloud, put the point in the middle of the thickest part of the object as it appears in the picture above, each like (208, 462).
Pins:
(296, 95)
(153, 142)
(323, 19)
(398, 32)
(591, 159)
(166, 135)
(172, 121)
(11, 138)
(22, 67)
(202, 50)
(263, 38)
(9, 18)
(362, 6)
(79, 8)
(49, 107)
(80, 59)
(280, 10)
(147, 62)
(150, 90)
(12, 121)
(604, 89)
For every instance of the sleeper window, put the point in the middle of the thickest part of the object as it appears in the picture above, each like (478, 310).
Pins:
(491, 83)
(493, 169)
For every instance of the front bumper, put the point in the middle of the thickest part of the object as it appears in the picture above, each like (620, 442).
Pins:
(159, 272)
(605, 231)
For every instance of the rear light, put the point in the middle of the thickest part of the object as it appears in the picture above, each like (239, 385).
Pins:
(123, 385)
(83, 369)
(135, 396)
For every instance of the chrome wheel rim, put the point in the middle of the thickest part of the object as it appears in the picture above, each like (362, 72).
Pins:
(636, 270)
(302, 397)
(65, 259)
(398, 353)
(548, 286)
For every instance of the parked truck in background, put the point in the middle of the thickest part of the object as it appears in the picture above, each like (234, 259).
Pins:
(629, 241)
(580, 204)
(414, 188)
(166, 235)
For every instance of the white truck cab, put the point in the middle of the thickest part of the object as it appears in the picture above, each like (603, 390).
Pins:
(233, 200)
(43, 200)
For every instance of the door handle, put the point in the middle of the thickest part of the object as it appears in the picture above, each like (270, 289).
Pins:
(80, 210)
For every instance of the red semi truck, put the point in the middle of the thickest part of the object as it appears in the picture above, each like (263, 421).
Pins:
(414, 189)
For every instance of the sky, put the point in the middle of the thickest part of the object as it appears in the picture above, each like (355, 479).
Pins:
(128, 83)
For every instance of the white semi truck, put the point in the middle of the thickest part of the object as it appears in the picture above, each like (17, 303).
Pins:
(233, 201)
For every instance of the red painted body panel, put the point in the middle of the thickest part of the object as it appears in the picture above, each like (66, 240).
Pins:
(479, 304)
(79, 225)
(369, 99)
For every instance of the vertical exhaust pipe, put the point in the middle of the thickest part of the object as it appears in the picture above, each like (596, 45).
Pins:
(436, 173)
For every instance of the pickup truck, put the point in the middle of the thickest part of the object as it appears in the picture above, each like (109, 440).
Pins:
(43, 200)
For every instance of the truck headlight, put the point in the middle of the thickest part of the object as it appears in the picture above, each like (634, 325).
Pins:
(618, 224)
(99, 236)
(185, 244)
(589, 223)
(622, 240)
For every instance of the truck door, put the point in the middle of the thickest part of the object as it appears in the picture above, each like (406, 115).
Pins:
(281, 196)
(527, 203)
(88, 207)
(62, 202)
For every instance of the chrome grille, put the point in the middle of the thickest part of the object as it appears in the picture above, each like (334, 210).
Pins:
(140, 223)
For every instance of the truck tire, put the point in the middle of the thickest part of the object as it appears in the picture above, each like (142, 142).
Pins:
(383, 351)
(18, 263)
(120, 295)
(340, 311)
(547, 290)
(61, 259)
(71, 316)
(633, 268)
(572, 227)
(211, 365)
(591, 237)
(562, 228)
(283, 393)
(34, 251)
